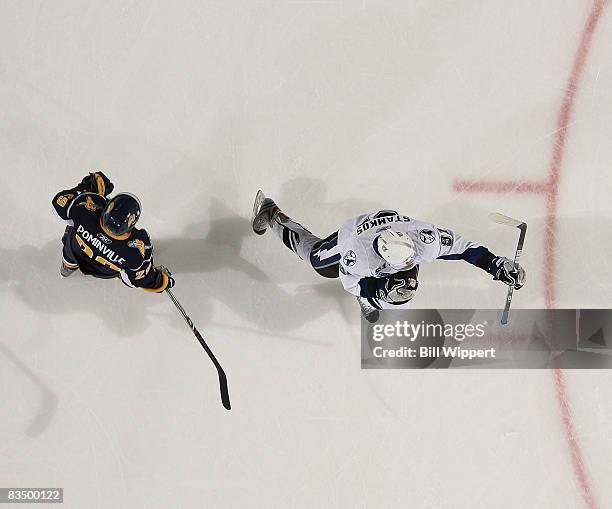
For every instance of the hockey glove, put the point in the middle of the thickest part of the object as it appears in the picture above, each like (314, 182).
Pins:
(164, 270)
(397, 288)
(96, 182)
(502, 269)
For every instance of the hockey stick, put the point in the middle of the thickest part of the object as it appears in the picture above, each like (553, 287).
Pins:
(222, 378)
(496, 217)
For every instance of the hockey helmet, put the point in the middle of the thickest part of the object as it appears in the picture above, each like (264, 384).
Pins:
(396, 248)
(121, 214)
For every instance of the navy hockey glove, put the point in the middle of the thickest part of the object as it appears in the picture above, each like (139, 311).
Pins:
(396, 288)
(96, 182)
(502, 269)
(164, 270)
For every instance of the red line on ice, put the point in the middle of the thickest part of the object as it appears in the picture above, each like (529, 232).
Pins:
(550, 189)
(570, 437)
(559, 149)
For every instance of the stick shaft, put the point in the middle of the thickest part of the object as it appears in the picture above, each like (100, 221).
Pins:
(222, 377)
(517, 257)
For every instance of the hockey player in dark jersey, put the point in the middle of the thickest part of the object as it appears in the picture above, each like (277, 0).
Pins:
(101, 238)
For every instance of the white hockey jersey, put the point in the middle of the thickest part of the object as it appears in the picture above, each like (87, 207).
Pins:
(359, 260)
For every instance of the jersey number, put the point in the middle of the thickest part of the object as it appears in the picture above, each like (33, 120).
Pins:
(89, 252)
(141, 273)
(446, 237)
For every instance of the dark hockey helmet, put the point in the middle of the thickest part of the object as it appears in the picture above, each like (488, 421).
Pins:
(121, 214)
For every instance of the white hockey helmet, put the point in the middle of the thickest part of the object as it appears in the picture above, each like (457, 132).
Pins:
(396, 248)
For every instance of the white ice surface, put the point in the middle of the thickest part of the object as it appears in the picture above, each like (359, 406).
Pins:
(333, 108)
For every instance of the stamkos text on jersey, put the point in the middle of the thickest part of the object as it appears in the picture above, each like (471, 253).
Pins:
(373, 223)
(98, 244)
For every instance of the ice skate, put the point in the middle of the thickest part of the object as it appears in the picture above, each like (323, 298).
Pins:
(369, 312)
(66, 270)
(264, 211)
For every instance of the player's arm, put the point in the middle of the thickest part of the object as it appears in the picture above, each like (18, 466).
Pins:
(147, 276)
(349, 281)
(454, 247)
(95, 182)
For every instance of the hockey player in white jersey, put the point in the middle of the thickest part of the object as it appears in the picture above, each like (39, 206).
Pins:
(377, 255)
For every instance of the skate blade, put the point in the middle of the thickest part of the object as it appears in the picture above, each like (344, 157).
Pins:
(259, 198)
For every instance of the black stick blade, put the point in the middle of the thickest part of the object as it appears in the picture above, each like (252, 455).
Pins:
(225, 399)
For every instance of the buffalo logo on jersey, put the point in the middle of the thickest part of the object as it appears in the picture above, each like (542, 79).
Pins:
(90, 205)
(427, 236)
(138, 244)
(350, 258)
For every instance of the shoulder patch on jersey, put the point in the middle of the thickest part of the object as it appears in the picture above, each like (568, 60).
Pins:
(350, 258)
(90, 205)
(89, 201)
(427, 236)
(138, 244)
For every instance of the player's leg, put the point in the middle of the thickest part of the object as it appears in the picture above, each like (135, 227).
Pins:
(322, 254)
(325, 257)
(69, 261)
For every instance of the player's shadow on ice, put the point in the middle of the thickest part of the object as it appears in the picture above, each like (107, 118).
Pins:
(48, 401)
(249, 274)
(222, 257)
(32, 275)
